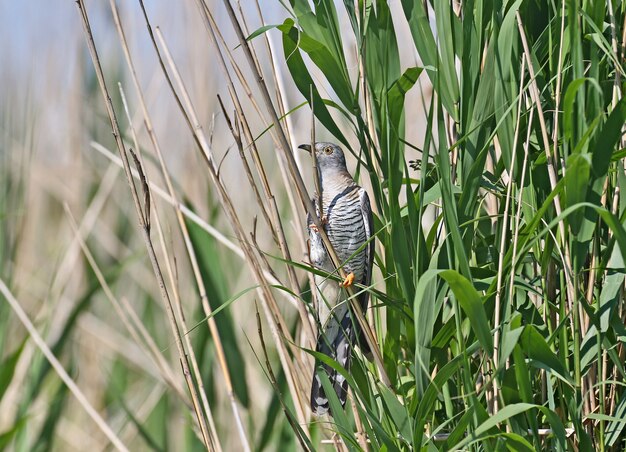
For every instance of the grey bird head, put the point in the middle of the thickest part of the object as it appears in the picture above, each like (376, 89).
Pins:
(329, 156)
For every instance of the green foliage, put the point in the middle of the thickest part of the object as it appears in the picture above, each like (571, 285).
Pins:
(515, 293)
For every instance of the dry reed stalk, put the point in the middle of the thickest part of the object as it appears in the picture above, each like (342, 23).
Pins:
(208, 441)
(302, 191)
(190, 215)
(274, 382)
(136, 329)
(570, 278)
(190, 251)
(187, 338)
(503, 244)
(235, 130)
(58, 367)
(280, 88)
(583, 318)
(315, 294)
(188, 245)
(550, 162)
(214, 33)
(271, 309)
(277, 223)
(283, 337)
(360, 434)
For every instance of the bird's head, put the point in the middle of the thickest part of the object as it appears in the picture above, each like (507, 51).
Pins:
(329, 156)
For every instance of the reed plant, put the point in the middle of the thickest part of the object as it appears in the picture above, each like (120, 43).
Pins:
(490, 136)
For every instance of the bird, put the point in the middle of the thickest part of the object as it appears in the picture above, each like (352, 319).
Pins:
(346, 217)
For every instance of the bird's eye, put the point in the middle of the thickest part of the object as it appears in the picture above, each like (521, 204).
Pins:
(328, 150)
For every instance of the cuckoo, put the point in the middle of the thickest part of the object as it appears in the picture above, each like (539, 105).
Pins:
(347, 219)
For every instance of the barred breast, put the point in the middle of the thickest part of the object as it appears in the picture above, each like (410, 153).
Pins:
(346, 227)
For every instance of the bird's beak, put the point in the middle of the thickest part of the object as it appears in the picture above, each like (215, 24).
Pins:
(306, 147)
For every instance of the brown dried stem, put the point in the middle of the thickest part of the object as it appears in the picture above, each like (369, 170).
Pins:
(302, 191)
(281, 335)
(208, 441)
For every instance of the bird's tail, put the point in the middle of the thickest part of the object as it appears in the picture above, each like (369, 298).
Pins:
(337, 346)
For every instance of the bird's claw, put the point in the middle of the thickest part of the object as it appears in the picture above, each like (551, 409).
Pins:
(348, 281)
(313, 227)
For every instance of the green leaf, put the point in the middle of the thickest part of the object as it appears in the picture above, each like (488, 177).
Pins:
(607, 139)
(427, 48)
(398, 90)
(472, 305)
(427, 403)
(303, 80)
(536, 348)
(7, 368)
(569, 113)
(260, 31)
(615, 428)
(504, 414)
(576, 184)
(398, 413)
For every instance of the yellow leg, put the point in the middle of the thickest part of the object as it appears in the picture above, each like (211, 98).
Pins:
(348, 281)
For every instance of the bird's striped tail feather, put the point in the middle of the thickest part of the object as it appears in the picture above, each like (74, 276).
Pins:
(340, 350)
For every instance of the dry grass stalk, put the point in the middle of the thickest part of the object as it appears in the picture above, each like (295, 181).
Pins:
(274, 382)
(132, 323)
(208, 440)
(279, 88)
(503, 242)
(215, 34)
(302, 191)
(281, 335)
(174, 285)
(164, 250)
(59, 369)
(276, 223)
(190, 251)
(575, 308)
(190, 215)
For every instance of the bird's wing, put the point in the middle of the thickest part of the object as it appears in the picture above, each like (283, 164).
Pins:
(366, 211)
(368, 221)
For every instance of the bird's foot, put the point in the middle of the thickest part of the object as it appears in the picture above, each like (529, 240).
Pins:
(323, 221)
(348, 281)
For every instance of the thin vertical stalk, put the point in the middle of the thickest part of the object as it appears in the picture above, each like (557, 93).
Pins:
(213, 33)
(144, 229)
(302, 191)
(503, 241)
(170, 272)
(570, 277)
(281, 335)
